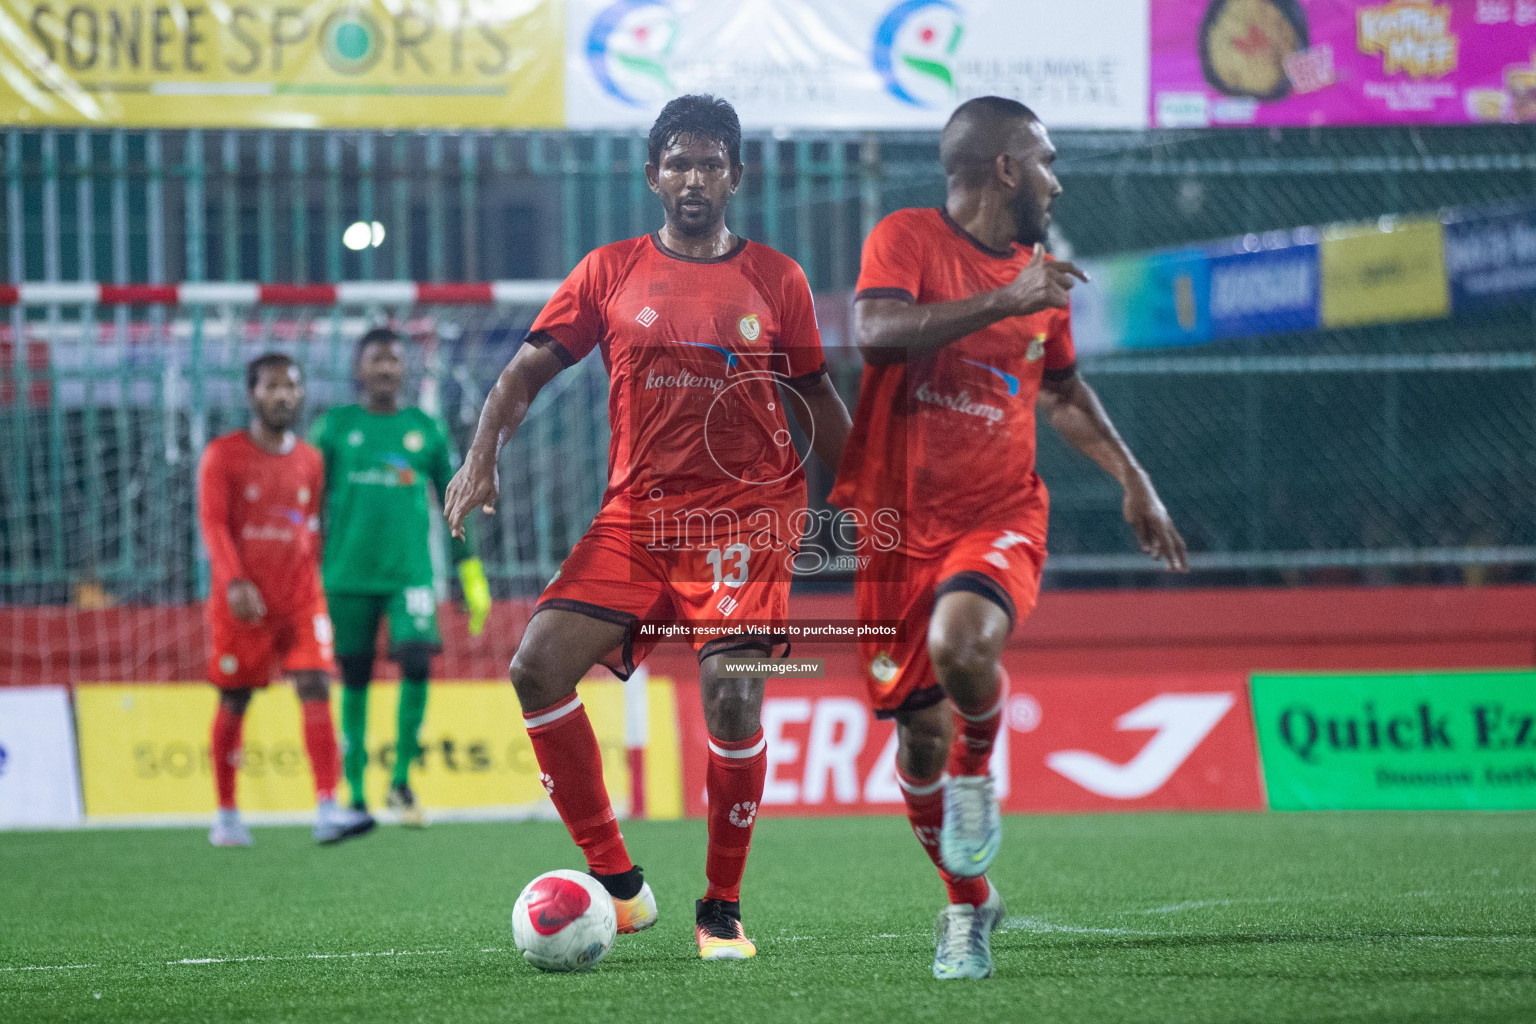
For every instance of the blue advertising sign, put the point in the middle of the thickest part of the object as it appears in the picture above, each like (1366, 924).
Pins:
(1264, 292)
(1490, 259)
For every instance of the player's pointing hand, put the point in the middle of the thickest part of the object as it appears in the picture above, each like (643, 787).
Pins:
(1042, 284)
(476, 483)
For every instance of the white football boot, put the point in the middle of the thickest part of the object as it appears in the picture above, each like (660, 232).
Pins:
(964, 936)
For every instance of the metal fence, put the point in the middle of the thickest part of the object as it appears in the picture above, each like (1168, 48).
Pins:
(1377, 453)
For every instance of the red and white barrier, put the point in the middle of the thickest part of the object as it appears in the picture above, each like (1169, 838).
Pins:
(251, 293)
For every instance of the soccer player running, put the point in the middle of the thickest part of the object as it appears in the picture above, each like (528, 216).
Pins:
(963, 322)
(258, 504)
(698, 328)
(379, 458)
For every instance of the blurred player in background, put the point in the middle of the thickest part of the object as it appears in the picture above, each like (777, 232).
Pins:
(963, 321)
(258, 504)
(379, 458)
(698, 328)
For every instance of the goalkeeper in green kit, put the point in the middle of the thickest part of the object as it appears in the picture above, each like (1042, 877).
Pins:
(377, 563)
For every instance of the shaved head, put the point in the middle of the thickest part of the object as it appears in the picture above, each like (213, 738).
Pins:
(978, 132)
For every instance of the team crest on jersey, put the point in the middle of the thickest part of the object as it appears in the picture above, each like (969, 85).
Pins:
(252, 492)
(228, 664)
(355, 439)
(750, 326)
(413, 441)
(303, 495)
(1036, 348)
(884, 668)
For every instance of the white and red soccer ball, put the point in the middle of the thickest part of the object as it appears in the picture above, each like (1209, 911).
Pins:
(563, 921)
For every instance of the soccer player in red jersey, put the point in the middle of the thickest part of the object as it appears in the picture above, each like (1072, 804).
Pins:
(707, 337)
(258, 503)
(963, 322)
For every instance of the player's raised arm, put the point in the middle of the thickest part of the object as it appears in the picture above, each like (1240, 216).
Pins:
(889, 328)
(1079, 417)
(477, 482)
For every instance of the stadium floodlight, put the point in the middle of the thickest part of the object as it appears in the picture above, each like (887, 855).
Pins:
(361, 235)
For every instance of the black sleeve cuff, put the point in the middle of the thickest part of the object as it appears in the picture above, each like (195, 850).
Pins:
(1065, 373)
(886, 293)
(543, 339)
(806, 380)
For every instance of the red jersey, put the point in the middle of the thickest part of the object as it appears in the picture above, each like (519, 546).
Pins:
(260, 517)
(695, 350)
(947, 440)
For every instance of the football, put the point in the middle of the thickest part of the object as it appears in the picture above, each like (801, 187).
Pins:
(563, 921)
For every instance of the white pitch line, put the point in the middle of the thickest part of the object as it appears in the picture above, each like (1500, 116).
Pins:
(306, 956)
(1041, 926)
(198, 961)
(49, 967)
(1174, 908)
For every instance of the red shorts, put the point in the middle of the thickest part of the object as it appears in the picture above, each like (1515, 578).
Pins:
(1002, 563)
(243, 655)
(609, 576)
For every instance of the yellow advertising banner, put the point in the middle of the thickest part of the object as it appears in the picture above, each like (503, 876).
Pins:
(144, 749)
(264, 64)
(1384, 274)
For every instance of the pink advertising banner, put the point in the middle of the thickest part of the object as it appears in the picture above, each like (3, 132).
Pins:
(1342, 62)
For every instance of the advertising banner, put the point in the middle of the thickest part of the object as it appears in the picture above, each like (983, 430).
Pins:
(144, 749)
(1084, 743)
(1342, 62)
(1255, 290)
(857, 64)
(260, 64)
(1443, 740)
(1157, 300)
(39, 782)
(1377, 274)
(1490, 258)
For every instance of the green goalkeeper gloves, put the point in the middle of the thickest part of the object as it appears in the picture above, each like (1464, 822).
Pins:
(477, 594)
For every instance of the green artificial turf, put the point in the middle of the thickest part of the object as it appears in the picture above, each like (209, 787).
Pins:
(1278, 917)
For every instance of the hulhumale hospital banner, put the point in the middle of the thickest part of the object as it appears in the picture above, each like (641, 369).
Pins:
(1342, 62)
(857, 64)
(265, 64)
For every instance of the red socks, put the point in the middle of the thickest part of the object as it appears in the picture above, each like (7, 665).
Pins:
(734, 784)
(571, 768)
(224, 751)
(320, 742)
(925, 810)
(977, 733)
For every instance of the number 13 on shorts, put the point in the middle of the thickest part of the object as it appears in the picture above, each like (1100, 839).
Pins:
(737, 556)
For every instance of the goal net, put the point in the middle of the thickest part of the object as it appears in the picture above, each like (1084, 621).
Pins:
(105, 407)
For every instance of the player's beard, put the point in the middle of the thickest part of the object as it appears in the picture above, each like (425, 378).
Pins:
(278, 419)
(697, 225)
(1030, 220)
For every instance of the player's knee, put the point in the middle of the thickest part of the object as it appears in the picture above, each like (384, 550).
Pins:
(356, 669)
(535, 678)
(312, 686)
(235, 701)
(415, 660)
(733, 707)
(960, 657)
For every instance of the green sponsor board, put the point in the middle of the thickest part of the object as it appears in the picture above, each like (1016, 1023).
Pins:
(1388, 741)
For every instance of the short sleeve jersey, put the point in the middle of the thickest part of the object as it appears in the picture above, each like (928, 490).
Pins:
(260, 519)
(695, 350)
(947, 440)
(377, 511)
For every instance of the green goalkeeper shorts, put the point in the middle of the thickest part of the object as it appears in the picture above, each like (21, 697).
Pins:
(412, 615)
